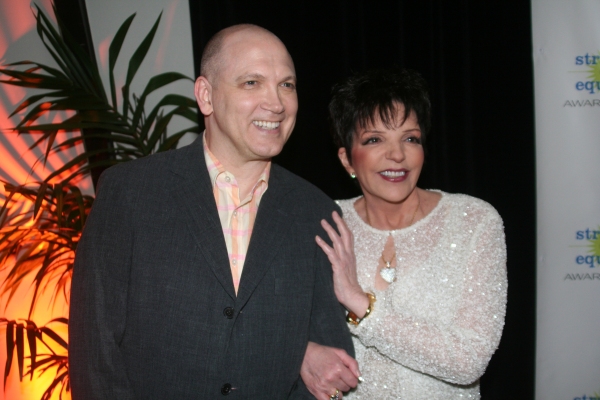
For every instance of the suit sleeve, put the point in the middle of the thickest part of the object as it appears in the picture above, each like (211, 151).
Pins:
(328, 324)
(99, 296)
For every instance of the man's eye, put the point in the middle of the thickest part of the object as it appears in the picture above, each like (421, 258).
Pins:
(288, 85)
(251, 83)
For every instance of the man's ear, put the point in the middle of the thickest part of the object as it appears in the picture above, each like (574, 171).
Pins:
(343, 156)
(203, 92)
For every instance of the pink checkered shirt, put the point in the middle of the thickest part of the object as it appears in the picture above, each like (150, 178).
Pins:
(237, 217)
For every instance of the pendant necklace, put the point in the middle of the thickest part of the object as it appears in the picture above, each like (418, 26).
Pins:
(388, 273)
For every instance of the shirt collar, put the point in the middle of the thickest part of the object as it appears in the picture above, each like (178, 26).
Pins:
(215, 168)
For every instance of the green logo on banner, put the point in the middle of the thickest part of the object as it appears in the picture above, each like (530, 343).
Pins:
(594, 245)
(591, 260)
(594, 69)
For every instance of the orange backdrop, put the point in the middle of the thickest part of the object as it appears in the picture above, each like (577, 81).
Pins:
(18, 165)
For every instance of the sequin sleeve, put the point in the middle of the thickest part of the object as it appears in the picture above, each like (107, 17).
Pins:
(458, 347)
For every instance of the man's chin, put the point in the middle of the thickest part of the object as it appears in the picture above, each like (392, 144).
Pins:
(268, 152)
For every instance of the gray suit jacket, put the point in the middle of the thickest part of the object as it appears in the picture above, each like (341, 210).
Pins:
(154, 313)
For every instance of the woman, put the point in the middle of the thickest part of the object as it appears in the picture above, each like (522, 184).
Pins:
(422, 273)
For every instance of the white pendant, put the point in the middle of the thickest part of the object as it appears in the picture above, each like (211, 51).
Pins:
(388, 274)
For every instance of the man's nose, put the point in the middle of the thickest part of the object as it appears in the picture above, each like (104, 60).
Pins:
(272, 101)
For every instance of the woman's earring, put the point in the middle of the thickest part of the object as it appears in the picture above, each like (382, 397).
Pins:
(352, 175)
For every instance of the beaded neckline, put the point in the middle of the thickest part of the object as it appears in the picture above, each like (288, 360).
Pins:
(417, 224)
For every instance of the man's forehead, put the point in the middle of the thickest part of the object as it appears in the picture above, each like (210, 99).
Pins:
(248, 34)
(247, 54)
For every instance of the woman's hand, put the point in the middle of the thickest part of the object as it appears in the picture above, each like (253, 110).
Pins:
(343, 263)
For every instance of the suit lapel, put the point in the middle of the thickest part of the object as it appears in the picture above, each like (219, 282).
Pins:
(193, 192)
(268, 235)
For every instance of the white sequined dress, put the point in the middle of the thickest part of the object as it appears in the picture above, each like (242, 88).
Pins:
(433, 331)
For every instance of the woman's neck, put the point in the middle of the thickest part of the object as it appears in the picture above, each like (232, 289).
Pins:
(384, 215)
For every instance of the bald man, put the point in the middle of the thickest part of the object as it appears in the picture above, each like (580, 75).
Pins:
(197, 275)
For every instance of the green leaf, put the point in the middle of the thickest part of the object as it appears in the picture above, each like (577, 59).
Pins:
(10, 346)
(40, 198)
(27, 102)
(79, 103)
(155, 83)
(171, 142)
(190, 115)
(81, 158)
(68, 143)
(8, 198)
(31, 338)
(32, 80)
(58, 195)
(160, 131)
(169, 100)
(20, 343)
(76, 123)
(54, 336)
(62, 97)
(58, 379)
(135, 62)
(77, 64)
(38, 66)
(113, 54)
(57, 49)
(51, 137)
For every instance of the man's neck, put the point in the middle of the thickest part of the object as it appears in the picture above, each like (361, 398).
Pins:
(246, 172)
(247, 175)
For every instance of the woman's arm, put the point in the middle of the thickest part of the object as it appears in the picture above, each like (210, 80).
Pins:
(460, 351)
(343, 263)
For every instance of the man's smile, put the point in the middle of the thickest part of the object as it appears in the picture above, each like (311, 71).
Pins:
(267, 124)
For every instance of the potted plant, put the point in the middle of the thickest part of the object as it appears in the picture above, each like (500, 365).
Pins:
(41, 223)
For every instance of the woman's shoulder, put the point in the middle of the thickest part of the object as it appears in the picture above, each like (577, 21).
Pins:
(347, 205)
(467, 201)
(465, 205)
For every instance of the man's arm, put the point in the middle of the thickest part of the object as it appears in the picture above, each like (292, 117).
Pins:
(99, 296)
(328, 363)
(325, 368)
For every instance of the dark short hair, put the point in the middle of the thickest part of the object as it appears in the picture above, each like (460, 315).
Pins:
(365, 97)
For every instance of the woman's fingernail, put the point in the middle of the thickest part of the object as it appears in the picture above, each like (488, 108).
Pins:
(361, 379)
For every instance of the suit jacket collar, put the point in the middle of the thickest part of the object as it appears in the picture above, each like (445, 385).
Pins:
(268, 235)
(192, 189)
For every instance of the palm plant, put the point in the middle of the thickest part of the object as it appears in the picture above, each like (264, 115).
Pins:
(41, 223)
(39, 361)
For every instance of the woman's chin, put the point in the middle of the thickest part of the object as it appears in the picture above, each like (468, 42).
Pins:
(389, 198)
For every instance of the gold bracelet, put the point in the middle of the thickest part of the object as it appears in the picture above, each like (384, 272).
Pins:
(353, 318)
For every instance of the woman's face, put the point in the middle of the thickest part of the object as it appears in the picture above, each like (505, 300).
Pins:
(387, 161)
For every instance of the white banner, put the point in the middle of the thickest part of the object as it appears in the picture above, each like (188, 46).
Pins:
(566, 52)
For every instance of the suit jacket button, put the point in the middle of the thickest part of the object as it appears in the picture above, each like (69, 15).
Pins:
(226, 389)
(228, 312)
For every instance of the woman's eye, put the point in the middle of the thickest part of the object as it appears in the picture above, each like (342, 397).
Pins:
(371, 140)
(414, 139)
(251, 83)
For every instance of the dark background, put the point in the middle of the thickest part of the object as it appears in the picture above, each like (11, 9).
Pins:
(477, 57)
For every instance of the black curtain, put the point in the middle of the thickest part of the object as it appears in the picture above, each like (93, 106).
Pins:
(476, 56)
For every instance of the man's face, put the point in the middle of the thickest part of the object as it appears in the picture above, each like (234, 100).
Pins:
(253, 100)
